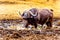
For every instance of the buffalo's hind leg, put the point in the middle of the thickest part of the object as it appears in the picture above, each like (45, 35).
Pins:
(49, 24)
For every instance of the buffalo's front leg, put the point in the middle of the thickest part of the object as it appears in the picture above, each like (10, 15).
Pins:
(26, 25)
(35, 25)
(25, 22)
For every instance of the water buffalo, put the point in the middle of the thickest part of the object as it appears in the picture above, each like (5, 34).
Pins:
(36, 16)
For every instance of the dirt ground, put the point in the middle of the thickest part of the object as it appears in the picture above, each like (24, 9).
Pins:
(33, 34)
(7, 34)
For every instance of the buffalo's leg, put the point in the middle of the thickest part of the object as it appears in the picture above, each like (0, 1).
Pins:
(25, 23)
(49, 24)
(35, 25)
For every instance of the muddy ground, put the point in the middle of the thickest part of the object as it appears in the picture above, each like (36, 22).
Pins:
(8, 31)
(7, 34)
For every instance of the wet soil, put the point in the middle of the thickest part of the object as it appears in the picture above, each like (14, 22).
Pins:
(13, 34)
(7, 34)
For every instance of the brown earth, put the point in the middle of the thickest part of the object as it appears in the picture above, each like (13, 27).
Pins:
(33, 34)
(7, 34)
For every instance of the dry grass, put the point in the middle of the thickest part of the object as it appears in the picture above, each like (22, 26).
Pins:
(9, 9)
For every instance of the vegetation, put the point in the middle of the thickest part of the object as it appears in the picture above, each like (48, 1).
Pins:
(9, 9)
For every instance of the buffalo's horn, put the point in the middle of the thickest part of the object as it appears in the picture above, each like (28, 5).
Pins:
(19, 13)
(33, 14)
